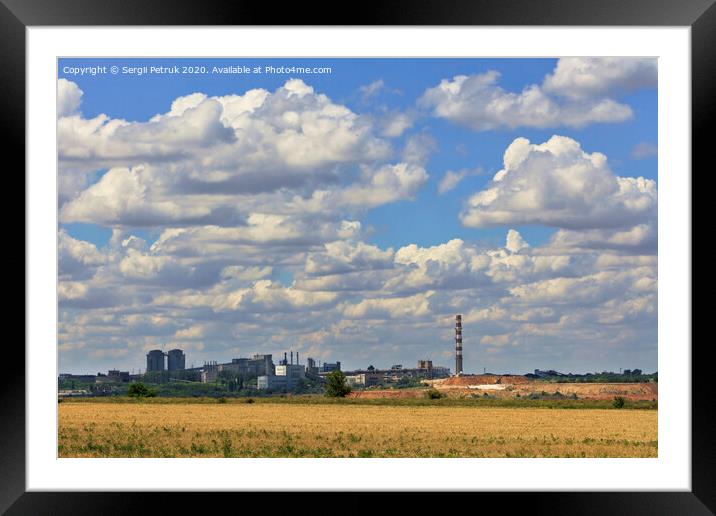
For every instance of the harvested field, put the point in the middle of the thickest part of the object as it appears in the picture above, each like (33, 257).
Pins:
(101, 429)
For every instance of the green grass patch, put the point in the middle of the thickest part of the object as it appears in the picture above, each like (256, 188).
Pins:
(523, 402)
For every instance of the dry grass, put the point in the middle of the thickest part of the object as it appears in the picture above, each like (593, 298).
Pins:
(317, 430)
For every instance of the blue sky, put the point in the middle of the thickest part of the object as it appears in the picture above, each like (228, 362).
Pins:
(381, 113)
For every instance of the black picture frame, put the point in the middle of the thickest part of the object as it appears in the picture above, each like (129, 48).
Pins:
(17, 15)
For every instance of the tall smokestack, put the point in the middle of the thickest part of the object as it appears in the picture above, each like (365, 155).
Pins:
(458, 344)
(296, 357)
(291, 357)
(285, 358)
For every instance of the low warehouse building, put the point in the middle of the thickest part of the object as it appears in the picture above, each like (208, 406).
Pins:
(364, 379)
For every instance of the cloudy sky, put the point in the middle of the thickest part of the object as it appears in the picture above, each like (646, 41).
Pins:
(349, 215)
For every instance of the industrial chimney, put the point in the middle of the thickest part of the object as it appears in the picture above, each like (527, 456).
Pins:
(458, 345)
(297, 357)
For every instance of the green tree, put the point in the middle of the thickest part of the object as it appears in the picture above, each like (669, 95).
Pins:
(406, 382)
(336, 386)
(139, 390)
(231, 380)
(618, 402)
(434, 394)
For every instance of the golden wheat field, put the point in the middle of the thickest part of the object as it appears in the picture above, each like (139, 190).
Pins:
(317, 430)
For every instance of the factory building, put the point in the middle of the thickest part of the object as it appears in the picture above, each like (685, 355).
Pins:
(286, 375)
(209, 372)
(328, 367)
(425, 364)
(369, 377)
(272, 382)
(311, 367)
(440, 372)
(364, 379)
(294, 371)
(257, 365)
(155, 360)
(115, 375)
(176, 360)
(427, 369)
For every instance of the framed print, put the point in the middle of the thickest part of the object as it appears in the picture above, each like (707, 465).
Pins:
(275, 255)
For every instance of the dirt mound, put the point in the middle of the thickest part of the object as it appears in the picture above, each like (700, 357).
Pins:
(512, 386)
(594, 391)
(652, 387)
(481, 379)
(632, 391)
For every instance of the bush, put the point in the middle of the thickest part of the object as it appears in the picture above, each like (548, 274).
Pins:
(336, 386)
(139, 390)
(434, 394)
(407, 382)
(618, 402)
(221, 400)
(249, 400)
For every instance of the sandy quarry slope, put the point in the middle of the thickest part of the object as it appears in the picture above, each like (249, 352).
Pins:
(510, 385)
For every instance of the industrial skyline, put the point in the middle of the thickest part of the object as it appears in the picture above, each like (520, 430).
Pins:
(262, 364)
(353, 212)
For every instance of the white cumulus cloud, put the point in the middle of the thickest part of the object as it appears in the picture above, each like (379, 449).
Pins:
(479, 103)
(450, 180)
(579, 77)
(558, 184)
(69, 96)
(577, 93)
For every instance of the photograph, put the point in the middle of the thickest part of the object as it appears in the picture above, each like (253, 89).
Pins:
(345, 257)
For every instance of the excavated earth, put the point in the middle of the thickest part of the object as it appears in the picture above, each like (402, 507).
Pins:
(508, 386)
